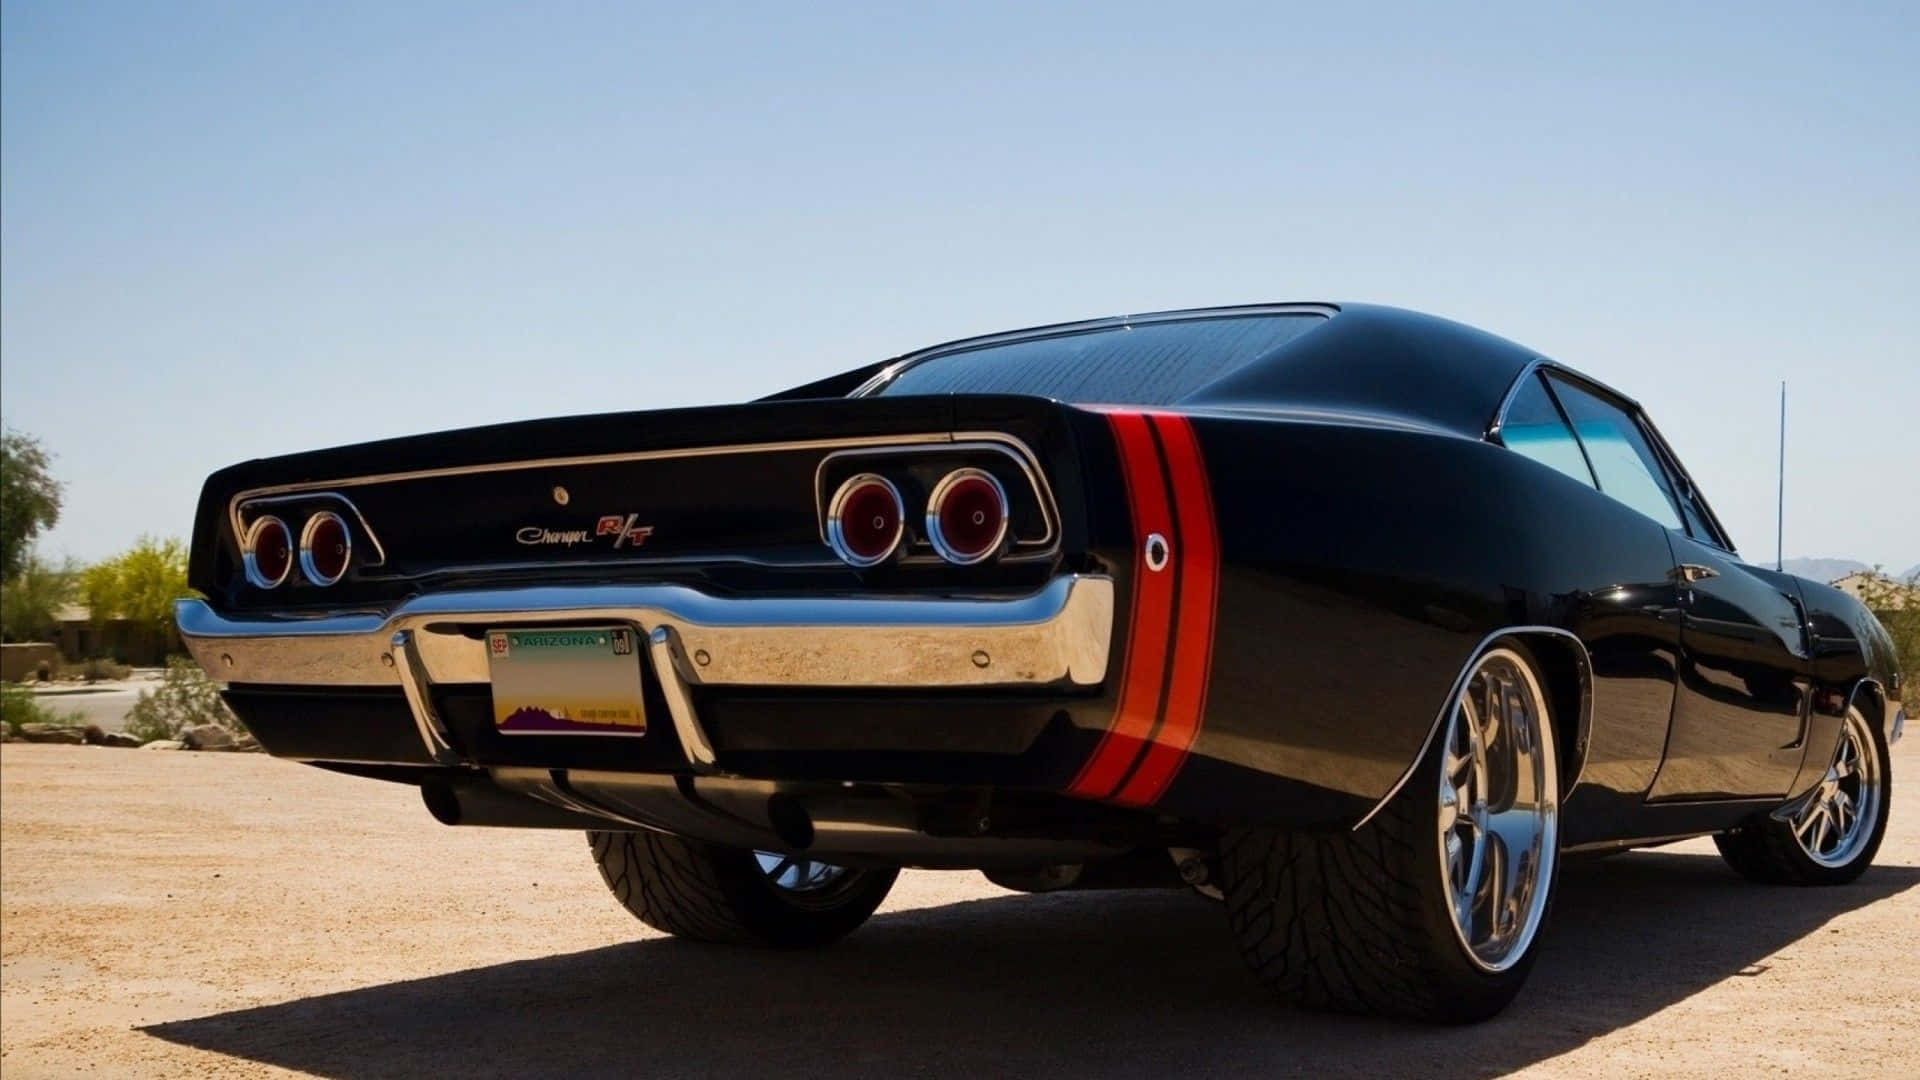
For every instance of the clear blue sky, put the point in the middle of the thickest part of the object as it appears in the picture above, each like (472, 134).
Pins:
(243, 229)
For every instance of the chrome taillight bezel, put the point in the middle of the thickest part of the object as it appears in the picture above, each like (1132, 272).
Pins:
(250, 542)
(836, 533)
(308, 567)
(937, 498)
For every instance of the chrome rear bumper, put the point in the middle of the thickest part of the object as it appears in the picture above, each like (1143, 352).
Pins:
(1057, 636)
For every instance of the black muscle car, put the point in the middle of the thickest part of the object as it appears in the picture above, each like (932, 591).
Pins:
(1353, 619)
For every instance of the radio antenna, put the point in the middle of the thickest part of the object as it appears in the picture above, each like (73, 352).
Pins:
(1780, 506)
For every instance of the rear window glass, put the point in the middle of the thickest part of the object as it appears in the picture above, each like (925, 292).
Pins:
(1149, 364)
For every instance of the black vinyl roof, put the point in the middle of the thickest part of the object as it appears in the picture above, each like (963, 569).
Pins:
(1363, 360)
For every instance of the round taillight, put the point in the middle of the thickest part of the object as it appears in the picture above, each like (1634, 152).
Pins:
(267, 552)
(325, 548)
(864, 520)
(967, 516)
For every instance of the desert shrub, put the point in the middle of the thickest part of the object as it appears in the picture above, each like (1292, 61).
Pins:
(19, 705)
(95, 669)
(1897, 605)
(185, 698)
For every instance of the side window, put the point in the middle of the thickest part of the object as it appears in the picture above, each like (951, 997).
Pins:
(1623, 463)
(1689, 509)
(1533, 426)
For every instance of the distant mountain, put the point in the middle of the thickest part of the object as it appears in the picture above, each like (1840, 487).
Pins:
(1823, 569)
(1910, 572)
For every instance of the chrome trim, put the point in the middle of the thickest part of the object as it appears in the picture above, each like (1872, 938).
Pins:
(1899, 725)
(253, 494)
(415, 685)
(1506, 400)
(836, 532)
(1460, 683)
(999, 442)
(237, 510)
(669, 663)
(251, 566)
(307, 567)
(940, 493)
(1059, 634)
(1156, 552)
(969, 440)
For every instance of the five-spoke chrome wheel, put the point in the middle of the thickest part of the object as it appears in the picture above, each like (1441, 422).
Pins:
(1499, 810)
(1837, 820)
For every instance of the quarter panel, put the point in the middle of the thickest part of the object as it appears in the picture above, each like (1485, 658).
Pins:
(1362, 565)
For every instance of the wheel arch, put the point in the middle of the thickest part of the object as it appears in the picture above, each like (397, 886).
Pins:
(1872, 699)
(1566, 672)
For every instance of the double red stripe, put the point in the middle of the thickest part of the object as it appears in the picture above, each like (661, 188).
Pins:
(1163, 687)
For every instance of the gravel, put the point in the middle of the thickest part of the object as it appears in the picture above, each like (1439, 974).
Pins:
(232, 915)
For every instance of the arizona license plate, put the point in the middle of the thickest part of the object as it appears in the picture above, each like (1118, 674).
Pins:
(566, 682)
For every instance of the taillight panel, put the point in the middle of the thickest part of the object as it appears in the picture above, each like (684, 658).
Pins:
(996, 504)
(321, 533)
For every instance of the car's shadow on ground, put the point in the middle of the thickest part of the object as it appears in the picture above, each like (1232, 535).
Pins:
(1077, 983)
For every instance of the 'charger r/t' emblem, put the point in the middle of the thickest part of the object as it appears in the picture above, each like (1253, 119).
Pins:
(623, 530)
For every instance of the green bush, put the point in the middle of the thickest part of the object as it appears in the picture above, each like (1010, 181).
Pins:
(185, 698)
(1897, 605)
(19, 705)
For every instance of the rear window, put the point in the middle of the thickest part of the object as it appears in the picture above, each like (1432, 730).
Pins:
(1149, 364)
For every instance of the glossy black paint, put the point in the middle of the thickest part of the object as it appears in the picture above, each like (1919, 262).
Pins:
(1374, 535)
(733, 521)
(1740, 721)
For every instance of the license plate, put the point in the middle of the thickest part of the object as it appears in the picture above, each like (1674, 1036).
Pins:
(557, 681)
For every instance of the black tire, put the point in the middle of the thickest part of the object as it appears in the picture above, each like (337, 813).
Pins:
(1766, 850)
(1359, 921)
(707, 892)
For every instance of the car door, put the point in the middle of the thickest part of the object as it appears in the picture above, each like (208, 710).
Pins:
(1738, 726)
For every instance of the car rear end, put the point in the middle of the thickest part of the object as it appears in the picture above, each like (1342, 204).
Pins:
(870, 596)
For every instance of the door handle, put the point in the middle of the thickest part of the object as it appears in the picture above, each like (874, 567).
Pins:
(1688, 572)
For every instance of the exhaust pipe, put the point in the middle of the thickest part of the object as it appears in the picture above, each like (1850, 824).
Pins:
(767, 815)
(466, 801)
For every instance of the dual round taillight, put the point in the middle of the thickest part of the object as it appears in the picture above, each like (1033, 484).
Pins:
(268, 552)
(865, 520)
(325, 548)
(966, 518)
(325, 551)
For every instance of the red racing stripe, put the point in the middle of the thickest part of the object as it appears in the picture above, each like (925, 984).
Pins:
(1148, 625)
(1199, 565)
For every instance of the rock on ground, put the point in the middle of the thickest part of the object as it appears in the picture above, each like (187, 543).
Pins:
(207, 737)
(164, 744)
(51, 733)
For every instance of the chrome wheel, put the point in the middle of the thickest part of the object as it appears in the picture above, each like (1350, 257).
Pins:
(1837, 820)
(797, 873)
(1499, 810)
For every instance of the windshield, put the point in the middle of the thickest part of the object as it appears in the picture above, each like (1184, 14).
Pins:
(1155, 363)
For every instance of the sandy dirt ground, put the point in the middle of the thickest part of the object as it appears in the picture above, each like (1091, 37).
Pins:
(198, 914)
